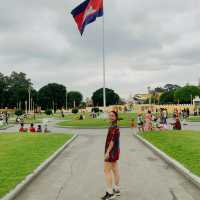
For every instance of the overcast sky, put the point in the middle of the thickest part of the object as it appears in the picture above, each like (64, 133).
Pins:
(148, 43)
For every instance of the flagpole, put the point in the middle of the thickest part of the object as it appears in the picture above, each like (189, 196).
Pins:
(104, 64)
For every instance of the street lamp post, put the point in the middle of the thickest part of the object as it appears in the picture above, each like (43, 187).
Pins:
(31, 105)
(29, 99)
(74, 103)
(191, 100)
(26, 107)
(66, 99)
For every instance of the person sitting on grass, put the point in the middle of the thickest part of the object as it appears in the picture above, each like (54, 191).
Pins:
(39, 129)
(32, 128)
(177, 124)
(81, 117)
(46, 130)
(155, 124)
(22, 129)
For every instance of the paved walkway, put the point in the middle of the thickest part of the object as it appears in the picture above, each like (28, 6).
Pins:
(190, 126)
(78, 173)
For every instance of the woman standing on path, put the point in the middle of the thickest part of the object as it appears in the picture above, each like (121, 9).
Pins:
(148, 121)
(112, 152)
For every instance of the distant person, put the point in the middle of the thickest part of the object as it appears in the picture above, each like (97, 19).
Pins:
(22, 129)
(81, 117)
(165, 115)
(112, 153)
(133, 123)
(32, 128)
(148, 121)
(140, 123)
(39, 129)
(188, 112)
(18, 120)
(6, 118)
(46, 129)
(177, 124)
(62, 113)
(83, 114)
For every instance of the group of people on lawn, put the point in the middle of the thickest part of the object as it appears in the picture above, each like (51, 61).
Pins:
(3, 118)
(157, 121)
(32, 129)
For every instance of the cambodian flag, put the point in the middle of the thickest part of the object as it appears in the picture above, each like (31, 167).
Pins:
(87, 12)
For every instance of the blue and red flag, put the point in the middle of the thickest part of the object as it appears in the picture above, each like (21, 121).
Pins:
(87, 12)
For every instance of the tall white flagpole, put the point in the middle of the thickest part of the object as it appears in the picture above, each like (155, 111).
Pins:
(104, 65)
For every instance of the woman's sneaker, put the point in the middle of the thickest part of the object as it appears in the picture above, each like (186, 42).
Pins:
(108, 196)
(117, 192)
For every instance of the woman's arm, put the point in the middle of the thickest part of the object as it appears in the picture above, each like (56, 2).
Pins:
(109, 149)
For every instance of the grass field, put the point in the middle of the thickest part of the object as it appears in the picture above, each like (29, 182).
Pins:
(21, 154)
(39, 118)
(194, 119)
(90, 122)
(183, 146)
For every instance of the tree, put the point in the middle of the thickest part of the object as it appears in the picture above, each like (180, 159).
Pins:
(111, 97)
(169, 87)
(52, 96)
(159, 90)
(82, 105)
(17, 92)
(184, 94)
(74, 97)
(3, 90)
(167, 97)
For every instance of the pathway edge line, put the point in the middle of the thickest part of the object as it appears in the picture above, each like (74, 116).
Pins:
(28, 179)
(172, 162)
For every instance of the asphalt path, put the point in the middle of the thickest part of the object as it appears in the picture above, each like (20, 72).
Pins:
(78, 172)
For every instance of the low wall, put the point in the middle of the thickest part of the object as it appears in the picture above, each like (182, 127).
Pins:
(7, 110)
(170, 108)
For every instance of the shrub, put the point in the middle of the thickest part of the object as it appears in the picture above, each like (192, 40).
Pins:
(96, 110)
(75, 110)
(48, 112)
(19, 112)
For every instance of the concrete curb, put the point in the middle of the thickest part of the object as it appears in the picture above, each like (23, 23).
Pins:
(175, 164)
(21, 186)
(9, 126)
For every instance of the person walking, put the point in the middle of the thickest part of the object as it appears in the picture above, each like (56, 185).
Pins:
(148, 121)
(112, 154)
(140, 123)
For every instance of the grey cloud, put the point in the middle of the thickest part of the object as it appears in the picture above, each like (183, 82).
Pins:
(147, 43)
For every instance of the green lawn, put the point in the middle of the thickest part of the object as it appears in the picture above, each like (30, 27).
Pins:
(90, 122)
(20, 154)
(194, 119)
(183, 146)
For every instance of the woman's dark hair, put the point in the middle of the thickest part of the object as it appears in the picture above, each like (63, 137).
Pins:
(32, 124)
(116, 115)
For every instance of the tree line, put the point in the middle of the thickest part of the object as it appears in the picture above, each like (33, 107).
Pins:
(15, 89)
(175, 94)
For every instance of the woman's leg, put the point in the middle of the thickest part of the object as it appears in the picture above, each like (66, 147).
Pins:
(108, 176)
(115, 169)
